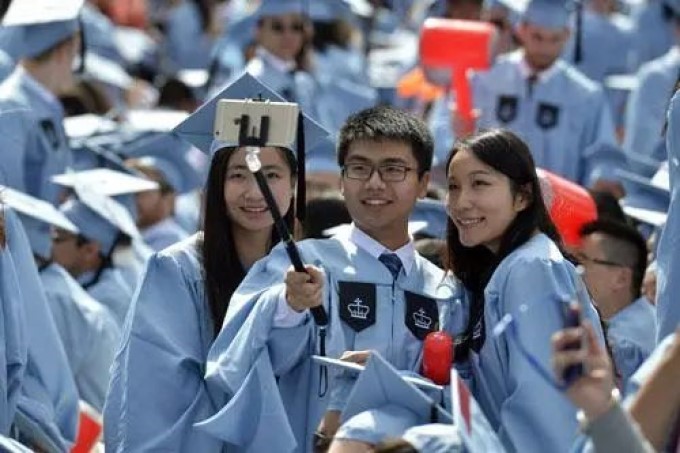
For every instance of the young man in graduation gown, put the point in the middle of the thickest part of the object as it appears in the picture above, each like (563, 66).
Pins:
(614, 257)
(379, 293)
(33, 143)
(558, 111)
(88, 255)
(163, 159)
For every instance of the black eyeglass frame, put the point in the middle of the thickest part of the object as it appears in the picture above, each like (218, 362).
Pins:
(382, 170)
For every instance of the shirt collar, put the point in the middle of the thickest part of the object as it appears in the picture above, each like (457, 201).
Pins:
(542, 76)
(273, 60)
(406, 253)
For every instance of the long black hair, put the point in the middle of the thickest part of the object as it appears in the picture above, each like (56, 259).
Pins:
(506, 153)
(222, 267)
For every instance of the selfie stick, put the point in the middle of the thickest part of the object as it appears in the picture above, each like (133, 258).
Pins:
(253, 146)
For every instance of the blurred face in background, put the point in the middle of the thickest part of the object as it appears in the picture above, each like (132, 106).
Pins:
(283, 36)
(542, 46)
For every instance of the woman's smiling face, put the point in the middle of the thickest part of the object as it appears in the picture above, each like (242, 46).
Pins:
(246, 205)
(480, 201)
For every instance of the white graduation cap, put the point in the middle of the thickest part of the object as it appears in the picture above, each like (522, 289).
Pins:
(661, 178)
(132, 43)
(33, 12)
(87, 125)
(422, 384)
(107, 71)
(35, 208)
(32, 27)
(361, 8)
(648, 216)
(106, 181)
(156, 120)
(107, 208)
(193, 78)
(621, 82)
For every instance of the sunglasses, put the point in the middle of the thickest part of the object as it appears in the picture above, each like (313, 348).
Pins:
(278, 26)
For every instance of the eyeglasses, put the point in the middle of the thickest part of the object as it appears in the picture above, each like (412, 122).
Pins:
(364, 172)
(279, 27)
(582, 259)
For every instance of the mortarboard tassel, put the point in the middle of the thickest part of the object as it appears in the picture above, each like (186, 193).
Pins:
(301, 186)
(578, 45)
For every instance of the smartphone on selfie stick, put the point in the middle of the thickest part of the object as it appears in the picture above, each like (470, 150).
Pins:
(258, 123)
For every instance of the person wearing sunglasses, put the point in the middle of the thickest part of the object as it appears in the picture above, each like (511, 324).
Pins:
(614, 259)
(282, 38)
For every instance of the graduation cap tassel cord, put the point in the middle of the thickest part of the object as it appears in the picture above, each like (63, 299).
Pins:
(578, 45)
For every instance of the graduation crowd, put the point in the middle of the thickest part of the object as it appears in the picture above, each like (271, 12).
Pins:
(527, 246)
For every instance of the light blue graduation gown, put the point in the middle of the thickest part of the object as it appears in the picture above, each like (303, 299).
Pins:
(341, 63)
(559, 119)
(157, 390)
(131, 261)
(187, 45)
(648, 367)
(48, 405)
(249, 354)
(339, 98)
(33, 144)
(529, 414)
(632, 337)
(188, 211)
(163, 234)
(608, 46)
(648, 102)
(654, 34)
(668, 256)
(608, 50)
(111, 290)
(88, 331)
(440, 123)
(6, 65)
(14, 348)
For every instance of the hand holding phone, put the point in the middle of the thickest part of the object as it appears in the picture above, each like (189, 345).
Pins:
(590, 390)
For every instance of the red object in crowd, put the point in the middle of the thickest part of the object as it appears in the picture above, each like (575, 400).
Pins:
(438, 357)
(458, 45)
(570, 205)
(90, 428)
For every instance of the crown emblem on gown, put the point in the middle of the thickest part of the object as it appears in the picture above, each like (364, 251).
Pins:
(422, 321)
(358, 310)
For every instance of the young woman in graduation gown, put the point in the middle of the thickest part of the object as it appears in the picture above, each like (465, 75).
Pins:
(157, 390)
(504, 248)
